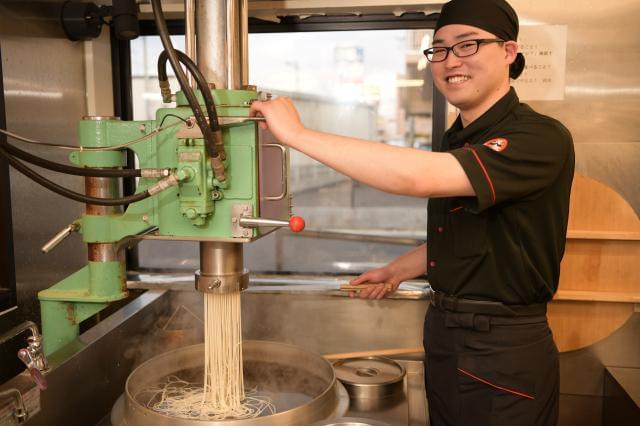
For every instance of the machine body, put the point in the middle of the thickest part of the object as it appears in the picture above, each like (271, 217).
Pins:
(193, 206)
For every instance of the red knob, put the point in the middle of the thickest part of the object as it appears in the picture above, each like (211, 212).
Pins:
(296, 223)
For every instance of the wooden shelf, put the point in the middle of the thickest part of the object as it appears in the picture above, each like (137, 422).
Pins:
(597, 296)
(603, 235)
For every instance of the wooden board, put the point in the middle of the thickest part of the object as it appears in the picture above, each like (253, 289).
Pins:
(596, 207)
(600, 271)
(601, 265)
(577, 325)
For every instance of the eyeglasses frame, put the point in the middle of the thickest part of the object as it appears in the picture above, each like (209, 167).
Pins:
(478, 42)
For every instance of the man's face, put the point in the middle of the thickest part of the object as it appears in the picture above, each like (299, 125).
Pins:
(476, 80)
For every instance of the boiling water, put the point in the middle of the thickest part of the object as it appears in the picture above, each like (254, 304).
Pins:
(285, 386)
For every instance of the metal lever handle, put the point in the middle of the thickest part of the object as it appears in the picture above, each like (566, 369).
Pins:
(295, 223)
(34, 359)
(59, 237)
(39, 379)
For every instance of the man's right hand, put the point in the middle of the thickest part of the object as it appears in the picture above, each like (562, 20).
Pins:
(281, 118)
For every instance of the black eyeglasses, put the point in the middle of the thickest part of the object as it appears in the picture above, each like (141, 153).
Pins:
(461, 50)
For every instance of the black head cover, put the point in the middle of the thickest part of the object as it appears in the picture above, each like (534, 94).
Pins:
(494, 16)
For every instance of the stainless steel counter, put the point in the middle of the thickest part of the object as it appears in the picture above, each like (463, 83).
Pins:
(88, 376)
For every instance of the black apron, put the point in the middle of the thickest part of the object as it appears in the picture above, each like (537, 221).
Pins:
(495, 366)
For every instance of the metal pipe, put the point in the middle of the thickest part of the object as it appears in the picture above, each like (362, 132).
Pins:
(20, 413)
(104, 252)
(388, 237)
(211, 41)
(218, 49)
(234, 45)
(221, 268)
(190, 34)
(221, 42)
(255, 222)
(215, 259)
(244, 42)
(102, 188)
(59, 237)
(27, 325)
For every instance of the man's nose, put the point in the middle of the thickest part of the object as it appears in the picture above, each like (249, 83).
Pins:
(452, 61)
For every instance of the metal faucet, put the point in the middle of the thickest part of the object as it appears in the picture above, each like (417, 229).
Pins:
(33, 355)
(20, 412)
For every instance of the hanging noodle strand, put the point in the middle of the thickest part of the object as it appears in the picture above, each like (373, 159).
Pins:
(223, 395)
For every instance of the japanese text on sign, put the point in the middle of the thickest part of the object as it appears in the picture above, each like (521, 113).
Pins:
(544, 48)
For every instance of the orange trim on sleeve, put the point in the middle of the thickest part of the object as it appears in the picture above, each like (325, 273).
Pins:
(512, 391)
(484, 170)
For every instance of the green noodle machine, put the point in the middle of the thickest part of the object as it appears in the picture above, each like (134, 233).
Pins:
(191, 204)
(220, 205)
(194, 206)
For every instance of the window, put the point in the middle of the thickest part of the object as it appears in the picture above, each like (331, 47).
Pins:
(370, 84)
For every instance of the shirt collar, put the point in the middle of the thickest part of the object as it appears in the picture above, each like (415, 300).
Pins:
(457, 135)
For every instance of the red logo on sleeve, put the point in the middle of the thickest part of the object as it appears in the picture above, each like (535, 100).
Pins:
(497, 144)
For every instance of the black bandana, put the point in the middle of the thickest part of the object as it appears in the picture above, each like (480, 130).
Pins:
(494, 16)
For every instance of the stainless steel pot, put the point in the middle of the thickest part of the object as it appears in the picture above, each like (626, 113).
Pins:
(350, 421)
(303, 384)
(373, 382)
(372, 377)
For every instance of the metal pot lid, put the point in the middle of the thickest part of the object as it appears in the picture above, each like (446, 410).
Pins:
(350, 421)
(370, 370)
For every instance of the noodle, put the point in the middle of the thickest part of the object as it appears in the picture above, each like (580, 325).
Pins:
(223, 395)
(179, 398)
(223, 381)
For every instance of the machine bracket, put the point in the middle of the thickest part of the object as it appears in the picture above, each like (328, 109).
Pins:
(238, 211)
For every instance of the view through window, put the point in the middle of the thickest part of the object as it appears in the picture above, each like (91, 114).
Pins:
(373, 85)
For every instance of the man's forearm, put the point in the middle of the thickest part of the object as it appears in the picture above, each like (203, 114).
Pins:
(411, 264)
(405, 171)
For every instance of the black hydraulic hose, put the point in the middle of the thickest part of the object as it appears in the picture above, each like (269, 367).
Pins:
(76, 196)
(200, 80)
(66, 169)
(161, 25)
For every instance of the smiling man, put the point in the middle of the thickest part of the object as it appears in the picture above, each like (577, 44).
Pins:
(497, 220)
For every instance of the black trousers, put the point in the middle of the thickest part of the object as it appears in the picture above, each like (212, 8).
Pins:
(490, 370)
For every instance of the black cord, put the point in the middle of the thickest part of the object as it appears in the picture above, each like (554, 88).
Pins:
(200, 81)
(207, 133)
(76, 196)
(8, 149)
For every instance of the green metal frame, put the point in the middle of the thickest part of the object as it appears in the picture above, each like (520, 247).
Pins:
(199, 207)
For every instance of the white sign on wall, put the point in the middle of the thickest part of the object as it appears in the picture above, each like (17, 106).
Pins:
(545, 50)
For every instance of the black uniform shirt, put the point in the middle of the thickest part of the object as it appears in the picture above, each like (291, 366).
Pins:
(506, 243)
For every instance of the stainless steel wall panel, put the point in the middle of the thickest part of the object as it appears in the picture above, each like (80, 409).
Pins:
(45, 98)
(602, 93)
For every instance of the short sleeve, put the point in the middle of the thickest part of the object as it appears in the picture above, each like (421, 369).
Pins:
(516, 162)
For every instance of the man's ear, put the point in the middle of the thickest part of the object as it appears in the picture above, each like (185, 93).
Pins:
(511, 50)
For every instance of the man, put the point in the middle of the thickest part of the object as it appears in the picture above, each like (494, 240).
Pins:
(497, 218)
